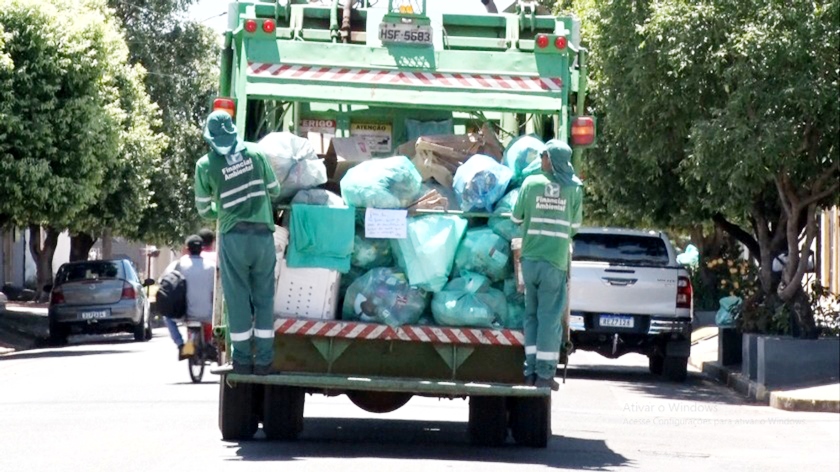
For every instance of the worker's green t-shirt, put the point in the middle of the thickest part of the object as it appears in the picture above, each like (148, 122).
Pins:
(550, 215)
(236, 188)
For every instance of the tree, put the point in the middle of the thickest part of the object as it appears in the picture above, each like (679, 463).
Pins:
(77, 124)
(722, 111)
(181, 58)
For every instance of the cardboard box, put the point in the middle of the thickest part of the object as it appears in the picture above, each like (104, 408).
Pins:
(343, 154)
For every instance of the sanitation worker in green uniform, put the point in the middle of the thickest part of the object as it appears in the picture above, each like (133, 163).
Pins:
(234, 183)
(549, 208)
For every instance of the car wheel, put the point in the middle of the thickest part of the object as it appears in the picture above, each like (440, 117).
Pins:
(148, 333)
(58, 334)
(140, 329)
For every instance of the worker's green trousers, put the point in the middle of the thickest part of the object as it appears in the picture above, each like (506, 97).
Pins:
(545, 300)
(247, 261)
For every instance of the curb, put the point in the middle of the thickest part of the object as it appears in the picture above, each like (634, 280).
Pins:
(783, 402)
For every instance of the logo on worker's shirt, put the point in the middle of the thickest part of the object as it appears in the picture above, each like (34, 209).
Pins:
(552, 190)
(233, 158)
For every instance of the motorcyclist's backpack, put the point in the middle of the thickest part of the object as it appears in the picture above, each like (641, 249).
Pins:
(171, 299)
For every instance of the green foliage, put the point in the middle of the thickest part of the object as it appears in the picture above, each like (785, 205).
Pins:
(60, 109)
(826, 306)
(181, 59)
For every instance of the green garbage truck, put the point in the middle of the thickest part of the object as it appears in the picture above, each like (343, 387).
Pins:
(369, 72)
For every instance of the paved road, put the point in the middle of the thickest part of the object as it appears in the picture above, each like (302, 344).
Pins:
(109, 404)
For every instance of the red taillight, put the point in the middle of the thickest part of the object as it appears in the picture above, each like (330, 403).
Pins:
(269, 26)
(128, 292)
(684, 292)
(56, 297)
(250, 26)
(542, 41)
(583, 131)
(225, 104)
(560, 42)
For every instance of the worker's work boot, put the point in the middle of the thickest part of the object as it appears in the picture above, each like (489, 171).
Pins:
(530, 379)
(242, 369)
(547, 383)
(264, 369)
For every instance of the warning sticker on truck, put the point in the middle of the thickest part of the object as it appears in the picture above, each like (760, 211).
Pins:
(376, 136)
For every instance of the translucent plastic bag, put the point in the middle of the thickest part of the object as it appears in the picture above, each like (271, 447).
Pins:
(469, 301)
(370, 253)
(523, 153)
(392, 182)
(484, 252)
(690, 257)
(294, 161)
(480, 182)
(383, 295)
(428, 251)
(515, 305)
(503, 225)
(318, 196)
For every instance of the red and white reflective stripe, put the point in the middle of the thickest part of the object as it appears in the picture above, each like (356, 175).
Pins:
(414, 79)
(425, 334)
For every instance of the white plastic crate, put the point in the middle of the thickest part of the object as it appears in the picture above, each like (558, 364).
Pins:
(306, 292)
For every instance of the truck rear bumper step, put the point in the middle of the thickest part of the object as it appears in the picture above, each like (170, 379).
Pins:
(378, 384)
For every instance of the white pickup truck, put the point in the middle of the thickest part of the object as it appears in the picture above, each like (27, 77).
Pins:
(629, 294)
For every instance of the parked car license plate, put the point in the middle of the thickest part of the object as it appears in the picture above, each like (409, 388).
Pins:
(405, 33)
(616, 321)
(95, 315)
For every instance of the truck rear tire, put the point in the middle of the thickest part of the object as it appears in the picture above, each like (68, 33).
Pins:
(655, 363)
(675, 368)
(530, 420)
(488, 421)
(237, 417)
(283, 412)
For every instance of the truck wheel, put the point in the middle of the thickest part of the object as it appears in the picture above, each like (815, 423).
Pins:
(675, 368)
(655, 363)
(488, 421)
(283, 412)
(237, 418)
(530, 420)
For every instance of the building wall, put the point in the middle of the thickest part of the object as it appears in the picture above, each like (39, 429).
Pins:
(829, 251)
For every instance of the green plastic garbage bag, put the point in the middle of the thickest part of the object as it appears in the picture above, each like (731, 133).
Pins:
(392, 182)
(484, 252)
(470, 301)
(428, 251)
(503, 225)
(370, 253)
(690, 257)
(383, 295)
(729, 311)
(522, 156)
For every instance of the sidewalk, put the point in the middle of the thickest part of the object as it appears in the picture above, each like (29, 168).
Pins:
(704, 357)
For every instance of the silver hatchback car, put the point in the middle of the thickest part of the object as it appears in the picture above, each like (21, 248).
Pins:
(94, 297)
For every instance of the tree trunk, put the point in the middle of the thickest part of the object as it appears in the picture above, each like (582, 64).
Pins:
(80, 245)
(106, 244)
(43, 256)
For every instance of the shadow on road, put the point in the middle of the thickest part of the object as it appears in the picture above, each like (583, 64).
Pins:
(696, 387)
(46, 353)
(426, 440)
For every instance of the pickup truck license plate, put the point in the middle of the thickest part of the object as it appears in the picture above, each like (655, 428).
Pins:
(405, 33)
(616, 321)
(94, 315)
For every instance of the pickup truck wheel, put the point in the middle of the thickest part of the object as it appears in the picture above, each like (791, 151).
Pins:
(283, 412)
(675, 368)
(237, 418)
(488, 424)
(530, 420)
(656, 363)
